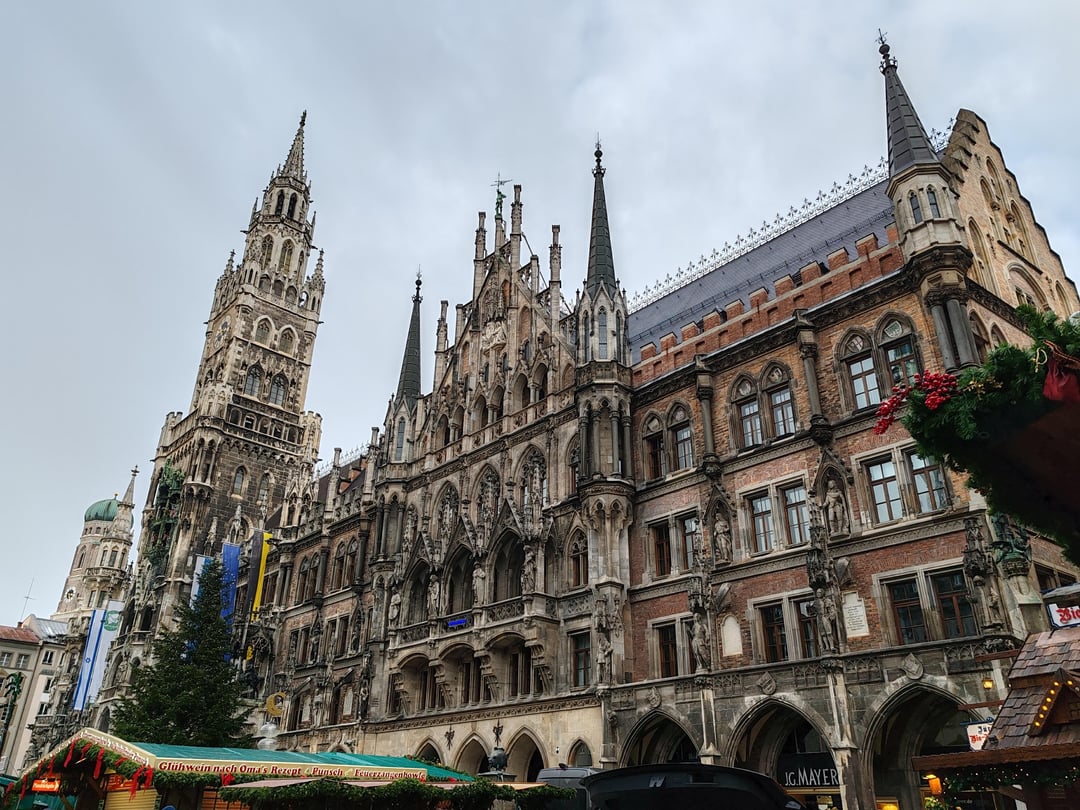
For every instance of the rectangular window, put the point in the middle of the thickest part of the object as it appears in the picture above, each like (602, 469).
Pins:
(514, 674)
(908, 612)
(581, 659)
(796, 515)
(5, 659)
(684, 448)
(762, 523)
(691, 537)
(864, 383)
(43, 708)
(884, 491)
(902, 364)
(929, 480)
(668, 648)
(23, 661)
(950, 590)
(661, 540)
(783, 412)
(654, 455)
(47, 658)
(48, 685)
(809, 632)
(750, 419)
(772, 625)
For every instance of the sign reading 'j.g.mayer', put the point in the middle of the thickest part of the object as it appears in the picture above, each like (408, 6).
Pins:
(807, 770)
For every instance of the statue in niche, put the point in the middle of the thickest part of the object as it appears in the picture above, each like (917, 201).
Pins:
(828, 618)
(528, 570)
(447, 514)
(394, 610)
(836, 511)
(721, 538)
(478, 580)
(603, 658)
(434, 593)
(699, 643)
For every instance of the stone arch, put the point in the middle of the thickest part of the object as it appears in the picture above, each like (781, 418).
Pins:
(429, 752)
(580, 755)
(509, 562)
(908, 719)
(458, 580)
(414, 598)
(524, 756)
(657, 737)
(472, 758)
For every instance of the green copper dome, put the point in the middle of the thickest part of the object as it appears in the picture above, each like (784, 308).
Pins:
(102, 510)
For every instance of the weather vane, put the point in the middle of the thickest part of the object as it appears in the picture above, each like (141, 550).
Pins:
(499, 196)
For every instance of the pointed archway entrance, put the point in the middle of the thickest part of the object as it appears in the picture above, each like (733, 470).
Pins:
(524, 759)
(658, 738)
(781, 742)
(472, 758)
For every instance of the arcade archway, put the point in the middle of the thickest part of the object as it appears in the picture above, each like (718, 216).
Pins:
(659, 738)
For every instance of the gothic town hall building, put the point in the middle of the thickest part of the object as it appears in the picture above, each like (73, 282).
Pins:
(616, 533)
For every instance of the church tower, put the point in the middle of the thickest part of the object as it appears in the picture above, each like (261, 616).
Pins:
(223, 467)
(931, 236)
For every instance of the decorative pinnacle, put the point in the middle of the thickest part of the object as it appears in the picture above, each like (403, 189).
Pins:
(303, 119)
(419, 282)
(599, 153)
(883, 48)
(499, 196)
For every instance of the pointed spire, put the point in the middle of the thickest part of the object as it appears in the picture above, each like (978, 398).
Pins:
(408, 387)
(319, 264)
(601, 264)
(129, 495)
(294, 163)
(908, 142)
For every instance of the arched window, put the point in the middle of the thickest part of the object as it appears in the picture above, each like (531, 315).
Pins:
(931, 198)
(238, 481)
(602, 336)
(916, 209)
(338, 575)
(586, 337)
(521, 392)
(655, 457)
(277, 390)
(280, 204)
(442, 431)
(748, 411)
(286, 341)
(781, 404)
(899, 348)
(82, 555)
(682, 442)
(292, 207)
(264, 488)
(253, 382)
(350, 562)
(399, 440)
(579, 562)
(286, 257)
(267, 250)
(302, 580)
(620, 339)
(858, 359)
(112, 558)
(982, 340)
(104, 556)
(262, 331)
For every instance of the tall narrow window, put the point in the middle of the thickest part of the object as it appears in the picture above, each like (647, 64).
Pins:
(762, 523)
(286, 341)
(689, 541)
(252, 383)
(772, 626)
(884, 491)
(277, 390)
(238, 481)
(783, 412)
(954, 604)
(668, 650)
(809, 633)
(916, 209)
(908, 612)
(264, 488)
(279, 206)
(581, 659)
(292, 207)
(900, 354)
(602, 335)
(864, 382)
(399, 440)
(619, 338)
(579, 562)
(586, 337)
(931, 198)
(682, 439)
(929, 480)
(286, 257)
(655, 461)
(661, 541)
(796, 516)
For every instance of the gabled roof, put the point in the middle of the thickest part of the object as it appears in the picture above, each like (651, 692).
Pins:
(868, 212)
(20, 634)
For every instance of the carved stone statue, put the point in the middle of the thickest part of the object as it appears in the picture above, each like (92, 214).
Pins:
(528, 570)
(827, 620)
(699, 643)
(394, 611)
(603, 658)
(434, 591)
(721, 539)
(478, 580)
(836, 512)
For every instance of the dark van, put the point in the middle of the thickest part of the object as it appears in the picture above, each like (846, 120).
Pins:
(685, 786)
(567, 777)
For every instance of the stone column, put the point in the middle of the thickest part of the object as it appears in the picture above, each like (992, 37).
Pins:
(961, 330)
(944, 333)
(584, 462)
(627, 446)
(594, 431)
(705, 395)
(616, 466)
(809, 352)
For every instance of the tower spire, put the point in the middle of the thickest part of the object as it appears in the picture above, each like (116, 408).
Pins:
(408, 387)
(908, 142)
(129, 495)
(601, 268)
(294, 163)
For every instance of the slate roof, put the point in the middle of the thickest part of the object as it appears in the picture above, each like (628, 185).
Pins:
(1041, 659)
(868, 212)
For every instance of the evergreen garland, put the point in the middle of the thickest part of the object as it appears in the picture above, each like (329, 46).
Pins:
(961, 424)
(1048, 773)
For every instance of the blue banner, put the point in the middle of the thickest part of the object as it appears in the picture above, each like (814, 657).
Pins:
(230, 575)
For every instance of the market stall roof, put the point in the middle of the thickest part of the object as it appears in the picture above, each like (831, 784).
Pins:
(254, 762)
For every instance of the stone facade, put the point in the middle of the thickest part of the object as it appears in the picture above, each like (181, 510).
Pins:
(614, 537)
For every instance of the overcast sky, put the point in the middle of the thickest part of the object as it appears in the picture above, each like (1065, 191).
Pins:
(137, 136)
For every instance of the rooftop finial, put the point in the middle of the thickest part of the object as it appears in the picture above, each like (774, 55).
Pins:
(883, 48)
(499, 196)
(419, 282)
(599, 153)
(303, 119)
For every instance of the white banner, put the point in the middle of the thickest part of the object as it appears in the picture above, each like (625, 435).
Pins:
(104, 623)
